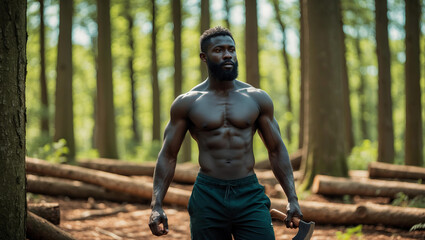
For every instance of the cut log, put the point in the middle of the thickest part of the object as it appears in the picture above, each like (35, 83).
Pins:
(386, 170)
(39, 228)
(107, 180)
(90, 214)
(350, 214)
(48, 211)
(185, 173)
(75, 189)
(295, 159)
(328, 185)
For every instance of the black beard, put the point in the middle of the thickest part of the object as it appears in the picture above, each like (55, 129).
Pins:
(219, 73)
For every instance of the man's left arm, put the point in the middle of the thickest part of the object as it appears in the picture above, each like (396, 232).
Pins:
(269, 132)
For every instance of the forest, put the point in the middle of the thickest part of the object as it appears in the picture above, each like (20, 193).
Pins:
(347, 80)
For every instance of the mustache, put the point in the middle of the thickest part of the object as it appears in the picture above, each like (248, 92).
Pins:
(227, 62)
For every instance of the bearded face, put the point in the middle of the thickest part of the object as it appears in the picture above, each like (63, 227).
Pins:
(222, 71)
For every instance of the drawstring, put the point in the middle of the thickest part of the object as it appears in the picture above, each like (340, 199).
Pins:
(229, 188)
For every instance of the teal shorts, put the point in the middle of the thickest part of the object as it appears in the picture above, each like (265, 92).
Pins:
(219, 209)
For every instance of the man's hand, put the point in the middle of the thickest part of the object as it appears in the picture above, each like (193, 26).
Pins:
(293, 211)
(158, 217)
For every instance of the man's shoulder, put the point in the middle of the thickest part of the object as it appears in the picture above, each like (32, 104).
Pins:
(256, 93)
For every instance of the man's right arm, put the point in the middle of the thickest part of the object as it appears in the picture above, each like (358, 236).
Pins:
(167, 158)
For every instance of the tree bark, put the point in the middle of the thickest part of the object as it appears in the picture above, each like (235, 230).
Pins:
(325, 138)
(48, 211)
(328, 185)
(40, 229)
(156, 102)
(413, 138)
(64, 114)
(204, 25)
(135, 126)
(386, 170)
(109, 181)
(75, 189)
(385, 115)
(13, 40)
(350, 214)
(106, 142)
(303, 73)
(251, 44)
(43, 82)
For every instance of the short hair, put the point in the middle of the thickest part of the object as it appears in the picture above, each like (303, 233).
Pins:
(213, 32)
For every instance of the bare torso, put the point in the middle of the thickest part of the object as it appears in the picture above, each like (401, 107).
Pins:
(223, 124)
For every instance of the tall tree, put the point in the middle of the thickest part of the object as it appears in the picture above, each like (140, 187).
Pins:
(326, 136)
(413, 137)
(13, 38)
(106, 142)
(64, 114)
(156, 121)
(43, 81)
(349, 136)
(287, 67)
(205, 24)
(186, 154)
(303, 74)
(251, 44)
(227, 8)
(361, 89)
(130, 21)
(385, 112)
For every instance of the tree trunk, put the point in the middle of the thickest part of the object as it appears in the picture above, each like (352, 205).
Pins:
(64, 114)
(205, 25)
(349, 137)
(48, 211)
(303, 74)
(227, 8)
(386, 170)
(251, 44)
(109, 181)
(328, 185)
(156, 104)
(325, 136)
(287, 69)
(135, 125)
(13, 39)
(361, 90)
(413, 138)
(43, 82)
(106, 142)
(385, 115)
(75, 189)
(350, 214)
(40, 229)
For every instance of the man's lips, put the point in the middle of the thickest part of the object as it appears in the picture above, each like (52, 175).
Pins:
(227, 65)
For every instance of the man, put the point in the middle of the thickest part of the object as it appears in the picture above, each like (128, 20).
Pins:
(222, 114)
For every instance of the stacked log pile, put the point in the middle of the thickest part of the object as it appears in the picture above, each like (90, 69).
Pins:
(113, 180)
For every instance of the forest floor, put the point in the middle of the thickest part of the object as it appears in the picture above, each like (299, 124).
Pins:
(133, 224)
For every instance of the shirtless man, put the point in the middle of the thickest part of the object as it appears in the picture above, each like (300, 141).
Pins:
(222, 114)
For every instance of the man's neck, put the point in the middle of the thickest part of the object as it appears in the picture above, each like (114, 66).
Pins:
(220, 85)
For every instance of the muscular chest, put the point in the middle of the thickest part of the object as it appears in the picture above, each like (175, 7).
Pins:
(211, 112)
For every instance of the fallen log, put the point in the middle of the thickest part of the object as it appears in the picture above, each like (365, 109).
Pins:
(386, 170)
(295, 159)
(39, 228)
(350, 214)
(90, 214)
(53, 186)
(107, 180)
(48, 211)
(328, 185)
(184, 173)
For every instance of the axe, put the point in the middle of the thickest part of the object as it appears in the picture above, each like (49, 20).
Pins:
(305, 229)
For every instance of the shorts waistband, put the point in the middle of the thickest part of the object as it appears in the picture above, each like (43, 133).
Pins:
(212, 181)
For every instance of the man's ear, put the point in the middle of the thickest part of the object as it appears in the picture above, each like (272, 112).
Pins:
(203, 56)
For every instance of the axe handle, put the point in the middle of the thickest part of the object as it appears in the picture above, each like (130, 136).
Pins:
(276, 214)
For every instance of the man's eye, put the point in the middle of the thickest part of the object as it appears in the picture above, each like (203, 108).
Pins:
(217, 50)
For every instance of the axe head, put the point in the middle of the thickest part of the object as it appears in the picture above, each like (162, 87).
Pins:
(305, 231)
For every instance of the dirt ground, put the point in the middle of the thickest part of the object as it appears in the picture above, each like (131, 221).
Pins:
(133, 223)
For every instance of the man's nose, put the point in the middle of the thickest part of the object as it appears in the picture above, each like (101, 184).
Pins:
(227, 54)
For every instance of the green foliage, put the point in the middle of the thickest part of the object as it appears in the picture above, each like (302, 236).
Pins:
(403, 200)
(362, 155)
(419, 226)
(350, 233)
(53, 152)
